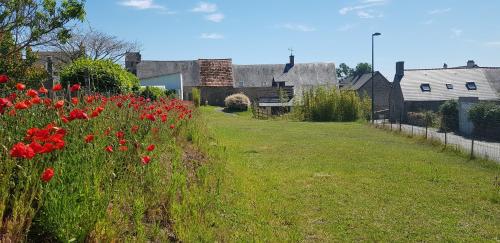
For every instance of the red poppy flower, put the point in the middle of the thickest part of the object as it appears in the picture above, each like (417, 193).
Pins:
(59, 104)
(64, 119)
(145, 160)
(4, 79)
(135, 129)
(47, 175)
(20, 86)
(123, 148)
(12, 113)
(109, 149)
(151, 147)
(37, 148)
(36, 100)
(122, 142)
(57, 87)
(20, 150)
(31, 93)
(120, 134)
(74, 101)
(21, 105)
(151, 117)
(89, 138)
(172, 126)
(43, 90)
(75, 88)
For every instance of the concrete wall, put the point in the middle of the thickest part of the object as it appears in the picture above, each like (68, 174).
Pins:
(169, 82)
(464, 123)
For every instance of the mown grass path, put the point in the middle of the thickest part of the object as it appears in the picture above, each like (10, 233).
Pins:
(347, 182)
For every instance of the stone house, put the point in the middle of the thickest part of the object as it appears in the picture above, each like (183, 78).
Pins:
(362, 84)
(219, 78)
(416, 90)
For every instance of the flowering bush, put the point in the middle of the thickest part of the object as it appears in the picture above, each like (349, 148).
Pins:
(63, 156)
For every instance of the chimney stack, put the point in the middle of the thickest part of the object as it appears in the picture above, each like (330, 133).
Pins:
(445, 66)
(292, 60)
(471, 64)
(400, 69)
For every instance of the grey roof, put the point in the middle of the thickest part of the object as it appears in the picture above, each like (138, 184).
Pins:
(493, 76)
(189, 69)
(300, 75)
(438, 78)
(356, 82)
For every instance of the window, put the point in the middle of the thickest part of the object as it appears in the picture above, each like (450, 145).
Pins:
(449, 86)
(425, 87)
(471, 85)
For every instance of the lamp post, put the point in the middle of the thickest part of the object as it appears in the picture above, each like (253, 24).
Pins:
(373, 71)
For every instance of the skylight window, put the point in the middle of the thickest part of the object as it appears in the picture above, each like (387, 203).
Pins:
(425, 87)
(471, 85)
(449, 86)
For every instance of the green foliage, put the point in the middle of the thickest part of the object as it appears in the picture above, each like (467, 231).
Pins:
(323, 104)
(449, 115)
(344, 71)
(485, 114)
(362, 68)
(423, 119)
(196, 97)
(104, 75)
(152, 93)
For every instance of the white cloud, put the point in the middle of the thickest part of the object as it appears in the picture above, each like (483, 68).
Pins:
(212, 36)
(346, 27)
(142, 4)
(439, 11)
(369, 14)
(297, 27)
(217, 17)
(205, 7)
(364, 5)
(457, 32)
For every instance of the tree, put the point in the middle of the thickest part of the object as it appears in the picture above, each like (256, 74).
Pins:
(94, 45)
(362, 68)
(344, 71)
(37, 22)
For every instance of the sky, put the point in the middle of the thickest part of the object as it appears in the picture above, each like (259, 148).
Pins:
(423, 33)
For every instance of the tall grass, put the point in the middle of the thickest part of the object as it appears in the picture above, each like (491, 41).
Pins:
(196, 97)
(323, 104)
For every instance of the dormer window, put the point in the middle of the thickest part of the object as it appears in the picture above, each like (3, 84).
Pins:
(449, 86)
(471, 85)
(425, 87)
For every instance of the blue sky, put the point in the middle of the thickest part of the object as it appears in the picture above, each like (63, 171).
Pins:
(422, 33)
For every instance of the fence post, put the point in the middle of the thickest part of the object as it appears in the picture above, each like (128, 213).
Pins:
(472, 146)
(426, 128)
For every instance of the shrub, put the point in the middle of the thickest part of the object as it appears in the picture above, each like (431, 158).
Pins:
(486, 119)
(449, 115)
(323, 104)
(104, 76)
(153, 93)
(196, 97)
(422, 119)
(237, 102)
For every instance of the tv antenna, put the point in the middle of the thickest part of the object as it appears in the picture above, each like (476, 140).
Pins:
(291, 51)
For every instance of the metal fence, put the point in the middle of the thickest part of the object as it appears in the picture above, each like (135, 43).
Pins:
(474, 146)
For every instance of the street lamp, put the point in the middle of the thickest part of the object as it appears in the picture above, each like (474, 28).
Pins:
(373, 70)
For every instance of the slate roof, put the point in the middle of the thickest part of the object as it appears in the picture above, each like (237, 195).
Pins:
(300, 75)
(356, 82)
(438, 78)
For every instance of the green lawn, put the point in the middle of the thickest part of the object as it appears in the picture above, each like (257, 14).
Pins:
(300, 181)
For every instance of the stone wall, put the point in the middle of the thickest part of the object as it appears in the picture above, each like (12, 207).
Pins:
(216, 95)
(216, 72)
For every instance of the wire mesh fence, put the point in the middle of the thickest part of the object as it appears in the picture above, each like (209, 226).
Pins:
(473, 145)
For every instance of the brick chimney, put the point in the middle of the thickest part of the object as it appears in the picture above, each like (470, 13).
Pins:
(292, 60)
(400, 71)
